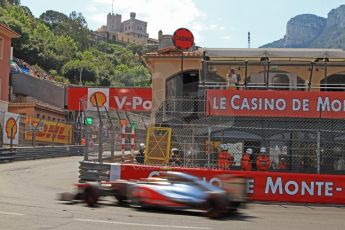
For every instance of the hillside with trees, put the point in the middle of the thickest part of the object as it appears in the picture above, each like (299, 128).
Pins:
(64, 47)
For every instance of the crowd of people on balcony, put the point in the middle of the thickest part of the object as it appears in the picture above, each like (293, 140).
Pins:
(20, 66)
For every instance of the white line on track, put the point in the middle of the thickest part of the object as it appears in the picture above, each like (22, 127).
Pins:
(12, 213)
(141, 225)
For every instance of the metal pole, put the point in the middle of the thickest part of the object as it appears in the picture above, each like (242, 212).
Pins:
(80, 75)
(100, 133)
(318, 151)
(34, 132)
(11, 140)
(123, 142)
(55, 133)
(209, 147)
(184, 153)
(325, 73)
(193, 141)
(132, 145)
(112, 134)
(182, 64)
(204, 70)
(268, 73)
(311, 75)
(34, 138)
(87, 141)
(245, 73)
(265, 77)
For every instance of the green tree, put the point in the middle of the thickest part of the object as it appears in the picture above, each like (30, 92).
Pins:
(63, 50)
(63, 46)
(53, 18)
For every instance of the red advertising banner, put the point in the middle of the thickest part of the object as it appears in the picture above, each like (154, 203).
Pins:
(261, 186)
(275, 103)
(127, 99)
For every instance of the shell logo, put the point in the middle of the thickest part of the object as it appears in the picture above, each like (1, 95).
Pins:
(98, 98)
(11, 123)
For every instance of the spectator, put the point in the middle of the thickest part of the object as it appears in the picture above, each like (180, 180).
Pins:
(233, 79)
(263, 162)
(247, 160)
(175, 159)
(225, 159)
(339, 165)
(141, 154)
(282, 164)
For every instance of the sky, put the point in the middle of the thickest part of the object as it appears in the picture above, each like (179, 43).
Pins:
(214, 23)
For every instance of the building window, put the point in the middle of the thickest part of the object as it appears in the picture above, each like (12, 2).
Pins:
(38, 115)
(43, 117)
(1, 47)
(48, 118)
(54, 118)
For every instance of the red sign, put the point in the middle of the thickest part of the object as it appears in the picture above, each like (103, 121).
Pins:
(260, 103)
(261, 186)
(183, 39)
(127, 99)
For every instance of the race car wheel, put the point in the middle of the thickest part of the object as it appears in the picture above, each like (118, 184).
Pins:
(234, 206)
(121, 199)
(215, 206)
(91, 195)
(135, 200)
(121, 194)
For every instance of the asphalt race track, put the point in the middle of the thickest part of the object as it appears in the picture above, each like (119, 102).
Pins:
(28, 192)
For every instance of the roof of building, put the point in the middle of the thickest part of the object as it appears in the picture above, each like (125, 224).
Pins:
(172, 51)
(30, 101)
(274, 53)
(8, 31)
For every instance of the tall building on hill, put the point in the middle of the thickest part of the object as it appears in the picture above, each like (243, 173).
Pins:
(114, 23)
(132, 31)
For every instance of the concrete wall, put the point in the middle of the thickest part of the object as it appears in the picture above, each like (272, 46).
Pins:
(5, 52)
(40, 89)
(163, 69)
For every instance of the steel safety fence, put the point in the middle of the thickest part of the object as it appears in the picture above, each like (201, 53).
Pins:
(113, 135)
(308, 145)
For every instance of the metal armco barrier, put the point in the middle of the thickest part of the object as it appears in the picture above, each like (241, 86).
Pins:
(261, 186)
(93, 171)
(32, 153)
(6, 155)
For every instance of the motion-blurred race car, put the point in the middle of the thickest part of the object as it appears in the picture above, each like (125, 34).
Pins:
(170, 190)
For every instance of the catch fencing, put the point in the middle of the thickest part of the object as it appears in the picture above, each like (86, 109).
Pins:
(112, 134)
(308, 145)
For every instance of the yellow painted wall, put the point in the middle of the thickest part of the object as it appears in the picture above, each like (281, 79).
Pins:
(162, 67)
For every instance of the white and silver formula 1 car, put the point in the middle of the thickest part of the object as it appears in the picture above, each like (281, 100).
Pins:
(175, 190)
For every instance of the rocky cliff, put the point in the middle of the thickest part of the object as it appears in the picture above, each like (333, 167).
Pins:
(312, 31)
